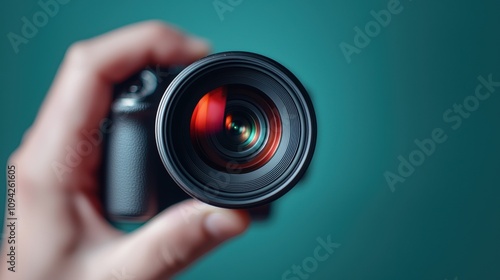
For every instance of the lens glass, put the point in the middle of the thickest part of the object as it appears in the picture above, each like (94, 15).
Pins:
(236, 126)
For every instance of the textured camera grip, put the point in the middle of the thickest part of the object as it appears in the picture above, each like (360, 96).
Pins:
(130, 164)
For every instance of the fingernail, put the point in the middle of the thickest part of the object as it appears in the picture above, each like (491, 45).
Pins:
(197, 45)
(224, 224)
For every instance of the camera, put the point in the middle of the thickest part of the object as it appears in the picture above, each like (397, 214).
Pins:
(233, 129)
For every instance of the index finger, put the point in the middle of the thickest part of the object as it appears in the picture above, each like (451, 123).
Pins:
(80, 96)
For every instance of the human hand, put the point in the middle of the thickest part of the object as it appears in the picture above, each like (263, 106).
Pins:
(60, 231)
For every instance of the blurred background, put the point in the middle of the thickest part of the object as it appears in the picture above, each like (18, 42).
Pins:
(378, 84)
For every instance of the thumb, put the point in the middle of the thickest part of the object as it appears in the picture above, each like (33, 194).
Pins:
(176, 238)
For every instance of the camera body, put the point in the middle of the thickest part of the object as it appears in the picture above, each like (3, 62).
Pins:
(133, 172)
(234, 130)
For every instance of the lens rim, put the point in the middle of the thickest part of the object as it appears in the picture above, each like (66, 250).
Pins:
(305, 124)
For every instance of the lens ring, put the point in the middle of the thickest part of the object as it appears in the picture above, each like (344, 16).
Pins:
(232, 188)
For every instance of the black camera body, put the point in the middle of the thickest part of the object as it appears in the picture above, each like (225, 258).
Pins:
(134, 176)
(234, 129)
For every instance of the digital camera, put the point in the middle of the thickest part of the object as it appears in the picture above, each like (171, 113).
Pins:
(233, 129)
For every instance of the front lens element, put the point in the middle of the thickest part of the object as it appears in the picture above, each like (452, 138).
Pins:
(235, 125)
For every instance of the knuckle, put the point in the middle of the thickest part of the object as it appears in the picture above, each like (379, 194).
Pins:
(78, 53)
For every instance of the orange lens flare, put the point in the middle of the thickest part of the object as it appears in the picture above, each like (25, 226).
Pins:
(208, 116)
(229, 121)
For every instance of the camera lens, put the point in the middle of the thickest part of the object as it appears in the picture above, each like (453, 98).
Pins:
(235, 124)
(235, 130)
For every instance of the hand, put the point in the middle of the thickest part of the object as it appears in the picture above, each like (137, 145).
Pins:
(60, 231)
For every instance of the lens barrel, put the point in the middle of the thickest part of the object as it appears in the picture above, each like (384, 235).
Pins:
(235, 130)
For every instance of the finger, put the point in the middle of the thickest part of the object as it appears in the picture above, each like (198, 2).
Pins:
(93, 66)
(176, 238)
(80, 96)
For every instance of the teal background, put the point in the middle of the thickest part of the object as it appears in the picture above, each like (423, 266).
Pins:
(443, 222)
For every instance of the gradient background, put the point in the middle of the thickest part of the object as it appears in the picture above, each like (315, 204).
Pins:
(443, 222)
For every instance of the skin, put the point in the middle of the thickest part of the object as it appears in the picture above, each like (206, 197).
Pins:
(60, 231)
